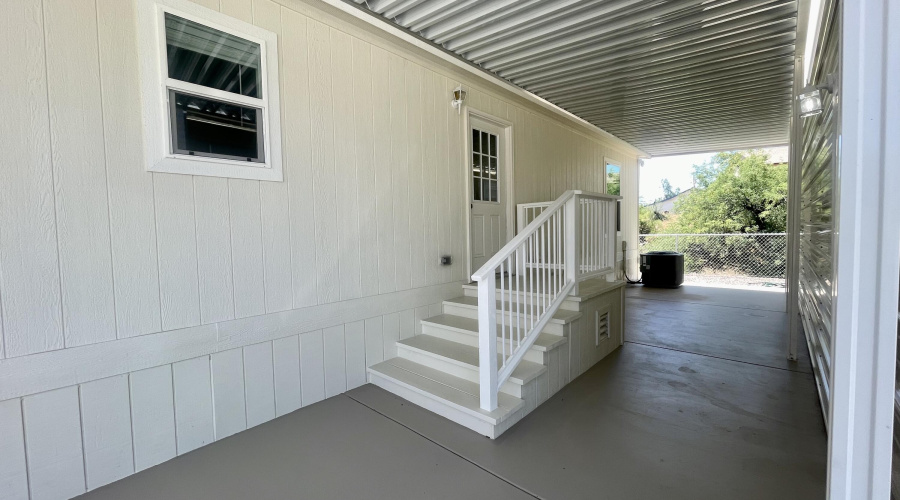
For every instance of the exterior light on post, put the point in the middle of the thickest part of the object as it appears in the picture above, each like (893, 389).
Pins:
(810, 103)
(459, 96)
(811, 97)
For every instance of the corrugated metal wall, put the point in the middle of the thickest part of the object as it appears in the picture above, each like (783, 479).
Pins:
(819, 179)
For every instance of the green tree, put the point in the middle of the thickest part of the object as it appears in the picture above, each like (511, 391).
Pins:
(737, 192)
(649, 219)
(668, 192)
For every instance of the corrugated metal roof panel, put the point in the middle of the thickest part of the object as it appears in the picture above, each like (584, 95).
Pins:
(669, 76)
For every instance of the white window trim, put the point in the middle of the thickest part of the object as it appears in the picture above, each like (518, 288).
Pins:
(155, 84)
(607, 161)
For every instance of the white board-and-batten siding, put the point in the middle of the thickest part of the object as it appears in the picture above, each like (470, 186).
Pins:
(173, 310)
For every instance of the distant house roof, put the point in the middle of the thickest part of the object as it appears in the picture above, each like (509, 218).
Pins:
(668, 205)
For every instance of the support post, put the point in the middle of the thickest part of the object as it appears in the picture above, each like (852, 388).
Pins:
(573, 240)
(487, 343)
(795, 167)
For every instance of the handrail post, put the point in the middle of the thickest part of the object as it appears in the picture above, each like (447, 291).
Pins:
(487, 343)
(573, 240)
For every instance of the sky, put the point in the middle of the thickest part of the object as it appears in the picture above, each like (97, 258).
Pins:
(677, 169)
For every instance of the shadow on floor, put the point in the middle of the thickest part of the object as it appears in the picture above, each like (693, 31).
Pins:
(699, 409)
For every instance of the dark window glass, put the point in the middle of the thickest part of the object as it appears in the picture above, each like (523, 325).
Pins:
(207, 127)
(205, 56)
(475, 147)
(476, 194)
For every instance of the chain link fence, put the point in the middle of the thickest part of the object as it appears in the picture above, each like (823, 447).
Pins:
(738, 258)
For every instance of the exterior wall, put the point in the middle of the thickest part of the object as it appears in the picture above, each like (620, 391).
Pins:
(143, 315)
(819, 188)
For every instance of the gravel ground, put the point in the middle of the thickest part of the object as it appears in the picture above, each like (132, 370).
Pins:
(731, 280)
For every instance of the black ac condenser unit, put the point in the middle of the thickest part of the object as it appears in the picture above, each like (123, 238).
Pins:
(662, 269)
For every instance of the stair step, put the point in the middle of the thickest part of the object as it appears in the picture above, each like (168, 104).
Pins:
(587, 290)
(465, 331)
(463, 303)
(570, 304)
(461, 360)
(452, 393)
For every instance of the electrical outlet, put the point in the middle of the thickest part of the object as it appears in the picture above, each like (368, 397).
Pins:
(446, 260)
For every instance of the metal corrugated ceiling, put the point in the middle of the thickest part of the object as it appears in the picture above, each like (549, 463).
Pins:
(669, 76)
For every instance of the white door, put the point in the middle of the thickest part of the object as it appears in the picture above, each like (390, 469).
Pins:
(487, 190)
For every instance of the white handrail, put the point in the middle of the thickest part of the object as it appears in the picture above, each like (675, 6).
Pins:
(572, 239)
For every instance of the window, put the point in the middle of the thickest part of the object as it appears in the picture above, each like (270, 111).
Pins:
(613, 179)
(211, 93)
(614, 186)
(484, 166)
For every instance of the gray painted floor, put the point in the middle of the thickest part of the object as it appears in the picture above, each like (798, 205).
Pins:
(709, 411)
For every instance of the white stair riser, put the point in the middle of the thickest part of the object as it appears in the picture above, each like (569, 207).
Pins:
(462, 371)
(567, 305)
(442, 409)
(472, 313)
(472, 340)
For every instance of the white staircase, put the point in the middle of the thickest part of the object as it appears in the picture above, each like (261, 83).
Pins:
(438, 369)
(503, 347)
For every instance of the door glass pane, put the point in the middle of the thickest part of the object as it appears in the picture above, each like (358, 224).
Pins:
(207, 127)
(212, 58)
(484, 166)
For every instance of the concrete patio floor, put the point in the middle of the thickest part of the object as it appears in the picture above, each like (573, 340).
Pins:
(700, 403)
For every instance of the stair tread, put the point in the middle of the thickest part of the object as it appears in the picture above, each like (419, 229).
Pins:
(453, 391)
(560, 316)
(587, 289)
(468, 355)
(544, 342)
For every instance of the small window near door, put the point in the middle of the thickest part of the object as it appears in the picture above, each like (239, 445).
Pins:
(614, 186)
(613, 179)
(485, 157)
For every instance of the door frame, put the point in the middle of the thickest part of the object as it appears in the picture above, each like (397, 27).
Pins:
(506, 162)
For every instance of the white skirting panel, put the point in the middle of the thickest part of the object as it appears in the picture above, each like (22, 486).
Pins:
(84, 436)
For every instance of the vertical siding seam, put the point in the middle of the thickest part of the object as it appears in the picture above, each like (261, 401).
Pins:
(174, 410)
(193, 180)
(156, 242)
(25, 446)
(212, 394)
(131, 422)
(300, 367)
(81, 426)
(358, 184)
(324, 368)
(112, 260)
(374, 167)
(61, 316)
(274, 389)
(286, 175)
(262, 253)
(244, 383)
(316, 235)
(230, 250)
(3, 353)
(390, 170)
(333, 168)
